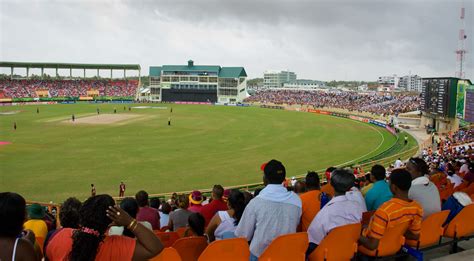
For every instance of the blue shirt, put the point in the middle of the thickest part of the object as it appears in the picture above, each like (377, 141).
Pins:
(377, 195)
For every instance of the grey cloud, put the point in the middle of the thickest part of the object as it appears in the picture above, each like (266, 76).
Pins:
(339, 39)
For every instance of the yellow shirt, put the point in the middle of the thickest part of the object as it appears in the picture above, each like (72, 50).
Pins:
(37, 226)
(365, 189)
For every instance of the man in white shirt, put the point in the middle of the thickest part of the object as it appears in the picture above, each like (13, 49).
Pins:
(398, 163)
(339, 211)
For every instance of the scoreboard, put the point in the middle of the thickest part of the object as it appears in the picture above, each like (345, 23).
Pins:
(469, 106)
(438, 96)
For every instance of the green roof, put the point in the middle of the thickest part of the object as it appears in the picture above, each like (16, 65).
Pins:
(155, 71)
(232, 72)
(70, 65)
(224, 72)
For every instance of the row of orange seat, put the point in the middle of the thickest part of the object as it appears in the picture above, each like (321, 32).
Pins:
(340, 244)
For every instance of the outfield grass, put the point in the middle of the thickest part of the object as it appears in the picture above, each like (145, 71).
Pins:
(206, 145)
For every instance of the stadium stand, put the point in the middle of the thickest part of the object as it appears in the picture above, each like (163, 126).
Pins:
(349, 100)
(32, 88)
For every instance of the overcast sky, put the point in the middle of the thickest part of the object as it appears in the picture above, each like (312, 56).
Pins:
(324, 40)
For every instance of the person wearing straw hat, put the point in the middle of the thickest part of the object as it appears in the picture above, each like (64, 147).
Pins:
(35, 222)
(195, 200)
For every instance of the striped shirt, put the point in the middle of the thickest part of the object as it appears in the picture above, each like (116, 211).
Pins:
(395, 212)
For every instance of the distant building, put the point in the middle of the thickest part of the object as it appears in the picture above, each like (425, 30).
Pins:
(410, 83)
(197, 83)
(389, 81)
(304, 84)
(276, 79)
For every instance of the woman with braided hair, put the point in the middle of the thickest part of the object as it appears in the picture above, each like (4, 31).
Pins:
(90, 242)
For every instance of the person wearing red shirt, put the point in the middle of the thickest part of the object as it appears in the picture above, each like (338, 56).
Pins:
(217, 204)
(146, 213)
(122, 190)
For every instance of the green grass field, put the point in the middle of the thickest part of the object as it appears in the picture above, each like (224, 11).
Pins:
(52, 159)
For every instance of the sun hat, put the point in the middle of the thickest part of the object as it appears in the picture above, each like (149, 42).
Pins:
(195, 197)
(36, 211)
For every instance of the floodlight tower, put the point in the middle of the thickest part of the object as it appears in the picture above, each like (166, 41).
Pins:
(461, 51)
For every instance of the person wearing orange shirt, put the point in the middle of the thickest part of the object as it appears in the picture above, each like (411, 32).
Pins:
(398, 210)
(311, 200)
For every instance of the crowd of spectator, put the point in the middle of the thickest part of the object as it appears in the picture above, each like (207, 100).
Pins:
(375, 103)
(99, 229)
(27, 88)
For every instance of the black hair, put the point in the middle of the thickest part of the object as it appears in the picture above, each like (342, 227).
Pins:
(130, 206)
(197, 222)
(330, 169)
(312, 180)
(92, 215)
(342, 180)
(257, 191)
(183, 201)
(218, 190)
(237, 202)
(165, 208)
(378, 171)
(248, 196)
(142, 198)
(69, 213)
(420, 165)
(300, 187)
(155, 203)
(12, 214)
(401, 178)
(274, 172)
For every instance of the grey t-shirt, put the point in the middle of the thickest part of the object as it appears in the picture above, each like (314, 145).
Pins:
(428, 197)
(180, 218)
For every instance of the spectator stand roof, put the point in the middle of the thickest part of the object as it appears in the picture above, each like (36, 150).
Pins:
(222, 72)
(70, 65)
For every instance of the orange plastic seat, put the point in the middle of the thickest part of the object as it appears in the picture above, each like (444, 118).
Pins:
(181, 231)
(167, 238)
(339, 244)
(461, 225)
(236, 249)
(390, 243)
(431, 230)
(168, 254)
(190, 248)
(287, 247)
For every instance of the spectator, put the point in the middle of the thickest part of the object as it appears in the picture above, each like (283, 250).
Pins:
(225, 222)
(130, 206)
(146, 213)
(179, 217)
(422, 189)
(354, 194)
(35, 223)
(328, 189)
(68, 218)
(339, 211)
(299, 187)
(398, 210)
(368, 184)
(454, 178)
(455, 204)
(90, 242)
(380, 191)
(217, 204)
(398, 163)
(165, 214)
(195, 200)
(310, 200)
(15, 244)
(274, 212)
(195, 225)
